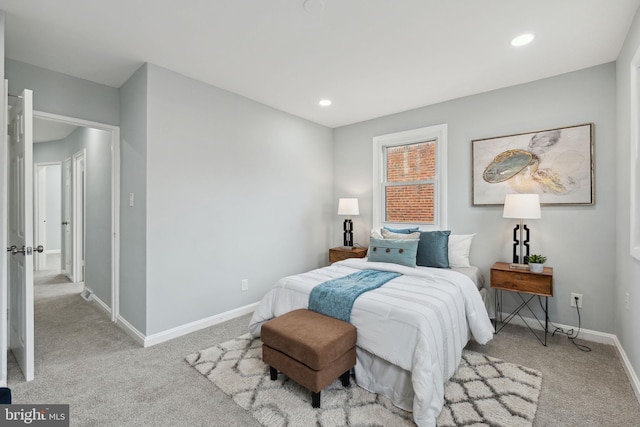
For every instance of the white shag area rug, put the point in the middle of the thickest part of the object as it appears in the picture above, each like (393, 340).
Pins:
(484, 391)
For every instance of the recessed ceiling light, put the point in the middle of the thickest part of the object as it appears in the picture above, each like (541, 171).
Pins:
(325, 102)
(522, 39)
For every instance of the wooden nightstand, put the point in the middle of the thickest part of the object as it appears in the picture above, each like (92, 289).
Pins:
(340, 253)
(519, 281)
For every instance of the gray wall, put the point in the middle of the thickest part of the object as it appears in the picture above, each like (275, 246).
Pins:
(578, 240)
(97, 144)
(235, 190)
(62, 94)
(133, 220)
(627, 268)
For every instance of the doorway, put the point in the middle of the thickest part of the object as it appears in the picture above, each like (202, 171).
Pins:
(88, 158)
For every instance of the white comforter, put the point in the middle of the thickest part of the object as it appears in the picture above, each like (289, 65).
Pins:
(419, 321)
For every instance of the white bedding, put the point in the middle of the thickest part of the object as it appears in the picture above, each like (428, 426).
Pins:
(419, 322)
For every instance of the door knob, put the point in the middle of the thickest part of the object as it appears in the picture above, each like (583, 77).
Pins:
(65, 222)
(10, 249)
(39, 249)
(15, 250)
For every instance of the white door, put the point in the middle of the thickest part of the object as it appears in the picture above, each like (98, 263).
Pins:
(4, 228)
(78, 197)
(67, 251)
(20, 239)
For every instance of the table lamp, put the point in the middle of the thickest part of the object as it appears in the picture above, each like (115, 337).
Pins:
(521, 206)
(348, 207)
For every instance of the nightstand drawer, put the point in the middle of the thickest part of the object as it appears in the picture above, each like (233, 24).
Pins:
(522, 281)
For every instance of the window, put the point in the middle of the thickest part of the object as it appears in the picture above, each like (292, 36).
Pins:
(409, 178)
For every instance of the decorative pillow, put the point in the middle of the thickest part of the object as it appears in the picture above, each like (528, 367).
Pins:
(386, 234)
(433, 249)
(401, 252)
(459, 248)
(402, 230)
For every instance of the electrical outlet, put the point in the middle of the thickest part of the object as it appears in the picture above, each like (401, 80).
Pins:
(573, 300)
(245, 285)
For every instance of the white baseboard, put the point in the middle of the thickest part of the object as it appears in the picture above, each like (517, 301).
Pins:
(179, 331)
(585, 334)
(122, 323)
(131, 330)
(101, 304)
(148, 341)
(626, 364)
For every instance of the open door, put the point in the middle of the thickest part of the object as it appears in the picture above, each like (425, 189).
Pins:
(4, 228)
(67, 247)
(78, 214)
(20, 236)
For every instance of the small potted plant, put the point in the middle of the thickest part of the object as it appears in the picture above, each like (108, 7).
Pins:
(536, 263)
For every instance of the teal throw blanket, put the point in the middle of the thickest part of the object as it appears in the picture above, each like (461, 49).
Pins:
(335, 297)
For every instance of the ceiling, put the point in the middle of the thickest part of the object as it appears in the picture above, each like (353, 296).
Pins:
(47, 130)
(370, 57)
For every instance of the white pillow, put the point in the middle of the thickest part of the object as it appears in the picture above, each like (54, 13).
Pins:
(399, 236)
(459, 248)
(375, 234)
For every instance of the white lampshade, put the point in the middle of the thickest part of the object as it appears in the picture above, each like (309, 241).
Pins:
(526, 206)
(348, 207)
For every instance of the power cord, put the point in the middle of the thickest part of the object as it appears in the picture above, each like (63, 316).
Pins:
(569, 333)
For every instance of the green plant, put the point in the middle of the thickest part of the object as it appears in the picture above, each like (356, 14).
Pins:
(537, 259)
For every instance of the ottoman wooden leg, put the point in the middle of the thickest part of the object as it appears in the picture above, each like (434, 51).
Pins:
(315, 399)
(273, 372)
(345, 379)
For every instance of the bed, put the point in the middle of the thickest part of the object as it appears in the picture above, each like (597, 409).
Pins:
(411, 331)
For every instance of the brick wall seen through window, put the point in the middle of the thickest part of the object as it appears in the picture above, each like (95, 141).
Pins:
(409, 191)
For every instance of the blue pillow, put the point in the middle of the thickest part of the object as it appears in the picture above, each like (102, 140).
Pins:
(401, 252)
(402, 230)
(433, 249)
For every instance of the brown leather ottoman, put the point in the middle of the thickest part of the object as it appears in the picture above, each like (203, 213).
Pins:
(310, 348)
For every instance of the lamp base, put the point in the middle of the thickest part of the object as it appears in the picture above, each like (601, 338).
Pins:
(519, 266)
(347, 241)
(520, 257)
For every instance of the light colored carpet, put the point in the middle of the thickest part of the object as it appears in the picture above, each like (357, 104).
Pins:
(84, 360)
(484, 391)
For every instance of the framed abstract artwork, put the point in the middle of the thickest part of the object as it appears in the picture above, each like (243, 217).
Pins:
(556, 163)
